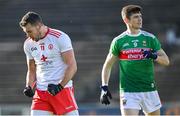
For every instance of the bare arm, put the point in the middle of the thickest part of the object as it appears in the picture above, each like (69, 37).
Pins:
(71, 69)
(162, 58)
(106, 71)
(31, 73)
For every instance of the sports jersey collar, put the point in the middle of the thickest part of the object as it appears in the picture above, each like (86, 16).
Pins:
(133, 35)
(46, 33)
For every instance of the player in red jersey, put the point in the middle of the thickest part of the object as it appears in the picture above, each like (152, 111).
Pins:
(51, 64)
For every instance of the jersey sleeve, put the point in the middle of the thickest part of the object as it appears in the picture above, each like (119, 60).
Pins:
(114, 49)
(64, 43)
(27, 51)
(156, 45)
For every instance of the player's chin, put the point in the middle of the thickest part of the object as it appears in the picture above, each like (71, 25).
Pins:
(31, 37)
(139, 26)
(35, 39)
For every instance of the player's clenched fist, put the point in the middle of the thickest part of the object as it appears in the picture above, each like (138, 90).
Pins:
(149, 54)
(105, 95)
(54, 89)
(28, 91)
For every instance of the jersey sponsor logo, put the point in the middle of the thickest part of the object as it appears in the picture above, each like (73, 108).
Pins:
(46, 62)
(47, 65)
(43, 58)
(132, 54)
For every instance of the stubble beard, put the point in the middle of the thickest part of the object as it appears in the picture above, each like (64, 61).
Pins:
(38, 37)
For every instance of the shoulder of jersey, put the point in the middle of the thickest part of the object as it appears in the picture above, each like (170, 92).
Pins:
(145, 33)
(120, 36)
(27, 40)
(55, 33)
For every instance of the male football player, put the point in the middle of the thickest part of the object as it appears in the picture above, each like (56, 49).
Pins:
(136, 50)
(51, 65)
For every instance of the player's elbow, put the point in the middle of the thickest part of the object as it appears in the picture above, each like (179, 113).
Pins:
(163, 61)
(167, 63)
(75, 68)
(72, 66)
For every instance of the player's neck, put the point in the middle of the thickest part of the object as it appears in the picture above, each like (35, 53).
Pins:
(133, 31)
(43, 31)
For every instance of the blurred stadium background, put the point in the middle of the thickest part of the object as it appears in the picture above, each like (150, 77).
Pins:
(91, 24)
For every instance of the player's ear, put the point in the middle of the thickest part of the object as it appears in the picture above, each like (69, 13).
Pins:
(126, 20)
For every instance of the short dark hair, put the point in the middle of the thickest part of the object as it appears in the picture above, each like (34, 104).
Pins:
(30, 17)
(128, 10)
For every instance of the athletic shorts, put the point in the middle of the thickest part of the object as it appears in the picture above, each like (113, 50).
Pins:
(61, 103)
(147, 101)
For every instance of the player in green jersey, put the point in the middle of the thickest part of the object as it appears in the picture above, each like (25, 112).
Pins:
(136, 50)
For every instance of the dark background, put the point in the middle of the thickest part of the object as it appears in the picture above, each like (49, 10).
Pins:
(91, 25)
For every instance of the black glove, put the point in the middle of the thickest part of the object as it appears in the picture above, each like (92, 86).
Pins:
(105, 95)
(54, 89)
(150, 54)
(28, 91)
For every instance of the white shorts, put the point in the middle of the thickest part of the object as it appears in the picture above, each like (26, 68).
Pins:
(147, 101)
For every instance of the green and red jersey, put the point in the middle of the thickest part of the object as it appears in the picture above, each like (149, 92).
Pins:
(136, 72)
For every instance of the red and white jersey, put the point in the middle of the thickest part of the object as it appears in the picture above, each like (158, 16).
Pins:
(50, 67)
